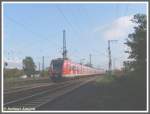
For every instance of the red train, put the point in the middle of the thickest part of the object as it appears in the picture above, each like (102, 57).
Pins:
(60, 68)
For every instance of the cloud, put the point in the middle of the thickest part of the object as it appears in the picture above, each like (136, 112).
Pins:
(117, 29)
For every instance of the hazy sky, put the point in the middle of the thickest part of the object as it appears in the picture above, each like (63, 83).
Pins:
(36, 30)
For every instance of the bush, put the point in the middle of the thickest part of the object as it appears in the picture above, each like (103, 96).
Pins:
(106, 79)
(13, 73)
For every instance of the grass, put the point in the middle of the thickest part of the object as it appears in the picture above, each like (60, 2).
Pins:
(127, 92)
(106, 79)
(17, 82)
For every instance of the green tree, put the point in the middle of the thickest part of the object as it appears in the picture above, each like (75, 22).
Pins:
(127, 66)
(29, 66)
(137, 44)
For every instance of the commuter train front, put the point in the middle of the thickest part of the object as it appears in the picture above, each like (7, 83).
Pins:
(60, 68)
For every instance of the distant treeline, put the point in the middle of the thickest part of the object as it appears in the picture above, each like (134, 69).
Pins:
(15, 73)
(8, 73)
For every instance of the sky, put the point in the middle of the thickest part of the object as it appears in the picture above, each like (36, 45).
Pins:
(36, 30)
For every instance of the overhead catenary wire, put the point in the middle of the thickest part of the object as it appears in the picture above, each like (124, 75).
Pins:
(66, 19)
(33, 32)
(36, 34)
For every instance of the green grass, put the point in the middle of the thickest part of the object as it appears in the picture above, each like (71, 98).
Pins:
(106, 79)
(125, 92)
(17, 82)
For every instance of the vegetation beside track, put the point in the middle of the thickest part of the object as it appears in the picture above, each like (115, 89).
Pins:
(8, 84)
(127, 92)
(13, 78)
(106, 79)
(10, 74)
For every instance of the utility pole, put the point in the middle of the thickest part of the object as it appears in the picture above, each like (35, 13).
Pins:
(109, 55)
(64, 45)
(90, 55)
(81, 61)
(114, 63)
(39, 66)
(43, 65)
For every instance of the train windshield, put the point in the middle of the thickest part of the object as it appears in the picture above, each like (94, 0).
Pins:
(57, 65)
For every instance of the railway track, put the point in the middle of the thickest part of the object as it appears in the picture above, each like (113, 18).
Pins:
(30, 86)
(51, 93)
(27, 91)
(20, 83)
(23, 88)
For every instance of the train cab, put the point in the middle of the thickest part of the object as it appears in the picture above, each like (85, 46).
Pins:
(56, 69)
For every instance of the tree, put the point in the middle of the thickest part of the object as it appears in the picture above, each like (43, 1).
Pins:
(137, 44)
(28, 66)
(5, 64)
(127, 66)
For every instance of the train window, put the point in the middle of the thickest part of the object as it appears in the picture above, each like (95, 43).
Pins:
(70, 68)
(77, 68)
(57, 65)
(73, 67)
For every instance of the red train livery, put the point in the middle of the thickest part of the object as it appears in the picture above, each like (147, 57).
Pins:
(60, 68)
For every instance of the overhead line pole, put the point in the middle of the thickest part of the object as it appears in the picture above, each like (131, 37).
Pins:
(90, 60)
(109, 55)
(39, 66)
(43, 65)
(64, 45)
